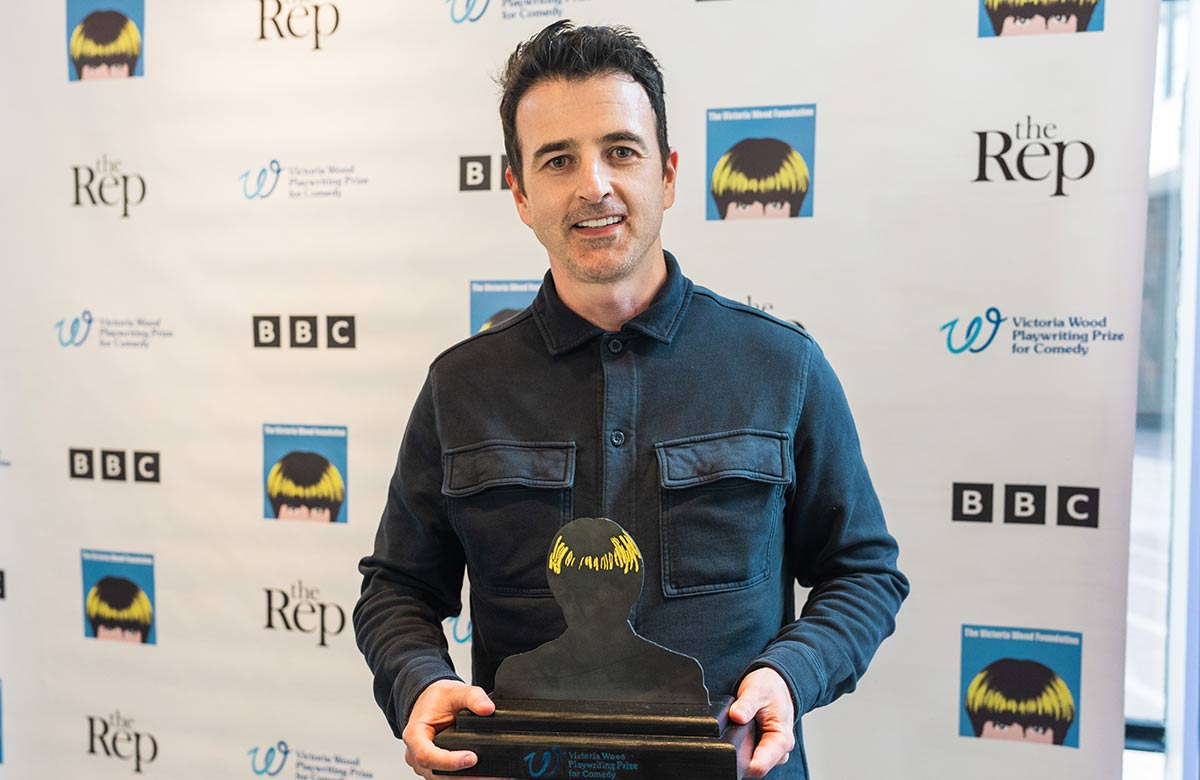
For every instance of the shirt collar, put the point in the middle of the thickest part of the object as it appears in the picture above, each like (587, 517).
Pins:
(564, 330)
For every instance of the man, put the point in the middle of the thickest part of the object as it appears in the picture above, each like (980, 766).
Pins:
(716, 435)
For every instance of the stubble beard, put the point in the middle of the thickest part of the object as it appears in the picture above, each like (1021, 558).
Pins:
(612, 270)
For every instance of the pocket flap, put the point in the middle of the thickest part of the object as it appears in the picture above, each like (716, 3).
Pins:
(475, 467)
(756, 455)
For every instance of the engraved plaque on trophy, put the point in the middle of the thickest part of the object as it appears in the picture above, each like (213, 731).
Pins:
(601, 702)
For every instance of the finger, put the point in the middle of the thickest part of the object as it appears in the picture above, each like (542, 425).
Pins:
(772, 749)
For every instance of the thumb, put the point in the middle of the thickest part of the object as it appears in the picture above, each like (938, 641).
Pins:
(478, 702)
(744, 709)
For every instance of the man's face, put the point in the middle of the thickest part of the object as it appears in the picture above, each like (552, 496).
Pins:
(1015, 732)
(1040, 25)
(594, 187)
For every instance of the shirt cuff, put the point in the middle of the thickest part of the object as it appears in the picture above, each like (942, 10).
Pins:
(800, 670)
(415, 681)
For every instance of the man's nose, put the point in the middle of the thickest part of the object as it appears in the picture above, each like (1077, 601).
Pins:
(595, 181)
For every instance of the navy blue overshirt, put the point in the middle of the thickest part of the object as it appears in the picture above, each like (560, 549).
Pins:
(717, 435)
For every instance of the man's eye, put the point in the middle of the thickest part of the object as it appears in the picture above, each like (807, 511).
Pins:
(558, 162)
(623, 152)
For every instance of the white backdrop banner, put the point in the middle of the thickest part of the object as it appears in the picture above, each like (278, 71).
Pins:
(235, 234)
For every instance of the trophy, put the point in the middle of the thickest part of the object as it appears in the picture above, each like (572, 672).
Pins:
(601, 702)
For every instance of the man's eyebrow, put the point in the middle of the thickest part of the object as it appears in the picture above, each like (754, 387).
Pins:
(624, 135)
(553, 147)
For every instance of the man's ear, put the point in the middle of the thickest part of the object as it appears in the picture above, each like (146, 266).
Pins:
(518, 197)
(672, 170)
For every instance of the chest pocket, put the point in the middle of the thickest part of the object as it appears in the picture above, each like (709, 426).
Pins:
(506, 500)
(721, 497)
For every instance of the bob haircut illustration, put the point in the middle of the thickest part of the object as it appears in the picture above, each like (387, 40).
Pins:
(766, 171)
(1014, 692)
(117, 604)
(106, 44)
(305, 486)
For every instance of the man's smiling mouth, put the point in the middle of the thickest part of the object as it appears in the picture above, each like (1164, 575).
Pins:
(600, 222)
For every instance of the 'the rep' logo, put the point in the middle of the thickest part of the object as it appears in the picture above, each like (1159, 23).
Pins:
(304, 604)
(108, 185)
(301, 20)
(1038, 159)
(115, 737)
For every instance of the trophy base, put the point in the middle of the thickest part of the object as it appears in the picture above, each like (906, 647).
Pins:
(561, 740)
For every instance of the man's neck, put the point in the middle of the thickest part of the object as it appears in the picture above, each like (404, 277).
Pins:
(609, 305)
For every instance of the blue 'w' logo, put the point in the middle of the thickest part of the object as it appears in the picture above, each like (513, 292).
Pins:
(467, 10)
(550, 760)
(268, 766)
(973, 330)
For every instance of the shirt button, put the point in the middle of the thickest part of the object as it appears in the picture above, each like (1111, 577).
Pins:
(617, 438)
(615, 346)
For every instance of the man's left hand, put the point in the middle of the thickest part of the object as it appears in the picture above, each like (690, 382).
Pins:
(764, 696)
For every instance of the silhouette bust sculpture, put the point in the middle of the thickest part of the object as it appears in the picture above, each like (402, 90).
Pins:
(595, 572)
(600, 699)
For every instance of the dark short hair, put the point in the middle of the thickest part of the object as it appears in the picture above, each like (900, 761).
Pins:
(564, 51)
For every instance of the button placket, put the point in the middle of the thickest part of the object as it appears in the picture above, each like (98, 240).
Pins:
(618, 434)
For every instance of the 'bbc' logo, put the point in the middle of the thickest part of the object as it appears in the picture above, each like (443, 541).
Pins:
(114, 465)
(303, 332)
(475, 173)
(1027, 504)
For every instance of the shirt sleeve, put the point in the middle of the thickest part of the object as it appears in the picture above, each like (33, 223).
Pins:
(839, 546)
(413, 579)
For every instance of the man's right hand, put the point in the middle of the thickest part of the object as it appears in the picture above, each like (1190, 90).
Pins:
(434, 710)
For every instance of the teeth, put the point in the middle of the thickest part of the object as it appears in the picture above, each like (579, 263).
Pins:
(603, 222)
